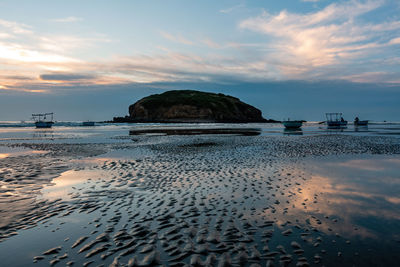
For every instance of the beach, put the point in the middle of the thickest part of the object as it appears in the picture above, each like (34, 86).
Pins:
(191, 195)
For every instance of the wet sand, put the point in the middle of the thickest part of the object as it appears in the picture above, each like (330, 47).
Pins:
(203, 201)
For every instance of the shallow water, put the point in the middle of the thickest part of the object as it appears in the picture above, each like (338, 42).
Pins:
(253, 199)
(364, 190)
(111, 133)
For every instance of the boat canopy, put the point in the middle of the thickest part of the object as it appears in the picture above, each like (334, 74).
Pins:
(333, 116)
(43, 116)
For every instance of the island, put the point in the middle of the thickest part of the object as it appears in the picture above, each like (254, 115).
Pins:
(181, 106)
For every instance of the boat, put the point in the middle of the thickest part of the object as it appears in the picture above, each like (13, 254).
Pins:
(43, 120)
(88, 123)
(292, 124)
(335, 120)
(361, 123)
(357, 122)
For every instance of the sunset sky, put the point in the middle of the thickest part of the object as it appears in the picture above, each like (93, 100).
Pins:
(290, 58)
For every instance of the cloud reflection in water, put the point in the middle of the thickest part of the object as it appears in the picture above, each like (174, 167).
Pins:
(362, 194)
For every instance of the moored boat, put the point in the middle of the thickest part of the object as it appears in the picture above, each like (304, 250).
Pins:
(357, 122)
(292, 124)
(335, 120)
(88, 123)
(43, 120)
(44, 124)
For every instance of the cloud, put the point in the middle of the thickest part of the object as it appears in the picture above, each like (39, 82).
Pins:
(66, 77)
(394, 41)
(176, 38)
(175, 66)
(210, 43)
(15, 28)
(338, 41)
(19, 53)
(33, 53)
(5, 35)
(332, 36)
(68, 19)
(231, 9)
(375, 77)
(64, 43)
(16, 77)
(20, 45)
(7, 88)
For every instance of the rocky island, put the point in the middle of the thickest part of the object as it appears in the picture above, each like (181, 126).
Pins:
(191, 106)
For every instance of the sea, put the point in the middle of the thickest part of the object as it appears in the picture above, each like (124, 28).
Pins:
(109, 132)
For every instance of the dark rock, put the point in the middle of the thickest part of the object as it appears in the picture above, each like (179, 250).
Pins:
(191, 106)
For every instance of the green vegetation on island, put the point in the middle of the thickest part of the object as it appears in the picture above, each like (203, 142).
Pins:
(191, 106)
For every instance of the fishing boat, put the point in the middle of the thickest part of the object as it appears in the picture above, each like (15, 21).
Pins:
(88, 123)
(357, 122)
(292, 124)
(335, 120)
(43, 120)
(361, 123)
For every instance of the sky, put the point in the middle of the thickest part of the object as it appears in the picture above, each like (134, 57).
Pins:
(89, 60)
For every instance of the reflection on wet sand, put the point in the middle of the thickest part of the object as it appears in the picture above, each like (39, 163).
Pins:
(289, 131)
(22, 176)
(361, 128)
(43, 134)
(69, 182)
(6, 152)
(197, 131)
(357, 192)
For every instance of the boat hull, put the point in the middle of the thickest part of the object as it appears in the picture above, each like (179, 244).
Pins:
(88, 123)
(361, 123)
(292, 124)
(337, 123)
(44, 124)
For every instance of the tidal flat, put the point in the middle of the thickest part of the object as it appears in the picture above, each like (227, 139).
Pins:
(200, 200)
